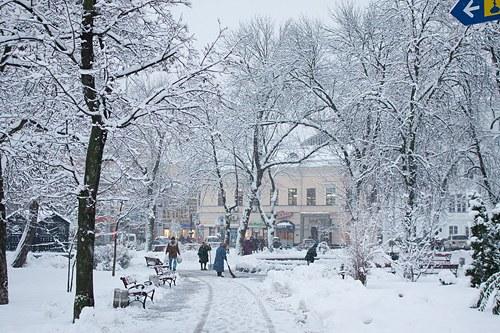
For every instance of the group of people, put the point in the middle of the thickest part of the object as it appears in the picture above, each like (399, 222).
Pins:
(220, 256)
(252, 245)
(173, 252)
(205, 249)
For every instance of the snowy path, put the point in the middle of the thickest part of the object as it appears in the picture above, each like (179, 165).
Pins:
(204, 303)
(231, 307)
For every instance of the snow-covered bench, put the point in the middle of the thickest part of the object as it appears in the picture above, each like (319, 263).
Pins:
(153, 261)
(440, 261)
(163, 276)
(139, 292)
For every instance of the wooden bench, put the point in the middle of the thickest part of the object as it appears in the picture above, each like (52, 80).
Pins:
(164, 276)
(153, 262)
(440, 261)
(139, 292)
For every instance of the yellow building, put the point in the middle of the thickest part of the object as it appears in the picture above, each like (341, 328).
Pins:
(310, 205)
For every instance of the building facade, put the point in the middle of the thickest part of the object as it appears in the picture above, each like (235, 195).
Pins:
(51, 232)
(177, 219)
(310, 205)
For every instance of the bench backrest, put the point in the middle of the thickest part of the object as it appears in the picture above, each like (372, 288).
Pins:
(441, 258)
(152, 261)
(128, 280)
(159, 270)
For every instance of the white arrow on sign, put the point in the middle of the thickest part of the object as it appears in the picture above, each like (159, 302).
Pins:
(469, 9)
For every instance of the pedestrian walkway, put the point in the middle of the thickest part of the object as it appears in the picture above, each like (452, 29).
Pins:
(205, 303)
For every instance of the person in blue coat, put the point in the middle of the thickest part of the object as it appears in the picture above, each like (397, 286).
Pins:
(220, 257)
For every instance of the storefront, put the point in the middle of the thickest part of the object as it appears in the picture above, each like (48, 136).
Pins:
(285, 231)
(316, 226)
(256, 228)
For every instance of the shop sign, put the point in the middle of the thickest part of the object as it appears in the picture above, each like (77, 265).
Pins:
(283, 214)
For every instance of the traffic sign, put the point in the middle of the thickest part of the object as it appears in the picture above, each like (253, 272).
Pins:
(476, 11)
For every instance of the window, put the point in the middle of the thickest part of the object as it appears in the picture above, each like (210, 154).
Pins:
(292, 197)
(220, 202)
(330, 195)
(453, 230)
(457, 204)
(467, 232)
(255, 205)
(311, 197)
(239, 198)
(271, 197)
(461, 203)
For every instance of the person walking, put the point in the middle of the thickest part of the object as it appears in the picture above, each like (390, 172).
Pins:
(220, 257)
(311, 254)
(172, 251)
(203, 255)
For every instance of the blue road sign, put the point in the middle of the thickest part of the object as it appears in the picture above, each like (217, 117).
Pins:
(476, 11)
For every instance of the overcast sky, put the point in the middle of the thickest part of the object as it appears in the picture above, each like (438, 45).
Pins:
(202, 17)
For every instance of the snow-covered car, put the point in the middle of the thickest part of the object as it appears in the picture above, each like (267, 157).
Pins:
(456, 242)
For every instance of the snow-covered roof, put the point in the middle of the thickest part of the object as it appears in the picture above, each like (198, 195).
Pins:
(45, 214)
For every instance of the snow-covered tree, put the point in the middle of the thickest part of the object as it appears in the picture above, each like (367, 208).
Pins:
(104, 43)
(485, 240)
(266, 109)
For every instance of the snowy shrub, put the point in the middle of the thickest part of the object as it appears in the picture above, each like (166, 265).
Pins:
(103, 257)
(446, 278)
(489, 294)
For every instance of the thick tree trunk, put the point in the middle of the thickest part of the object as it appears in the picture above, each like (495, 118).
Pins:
(86, 221)
(4, 281)
(87, 198)
(27, 239)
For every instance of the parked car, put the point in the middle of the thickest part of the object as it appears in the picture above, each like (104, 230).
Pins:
(213, 241)
(456, 242)
(306, 243)
(160, 244)
(276, 243)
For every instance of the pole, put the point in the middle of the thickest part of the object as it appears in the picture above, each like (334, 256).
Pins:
(116, 237)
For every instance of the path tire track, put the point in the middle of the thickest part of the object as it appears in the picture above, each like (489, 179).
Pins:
(206, 311)
(270, 325)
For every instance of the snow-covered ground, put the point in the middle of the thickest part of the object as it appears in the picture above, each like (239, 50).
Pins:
(299, 299)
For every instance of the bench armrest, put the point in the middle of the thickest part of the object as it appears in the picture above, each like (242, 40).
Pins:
(137, 286)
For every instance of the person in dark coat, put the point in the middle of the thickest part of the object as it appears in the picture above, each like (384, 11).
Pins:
(311, 254)
(172, 251)
(220, 256)
(255, 244)
(203, 255)
(247, 247)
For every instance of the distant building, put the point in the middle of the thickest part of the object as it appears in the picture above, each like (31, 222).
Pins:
(176, 218)
(52, 232)
(105, 227)
(310, 205)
